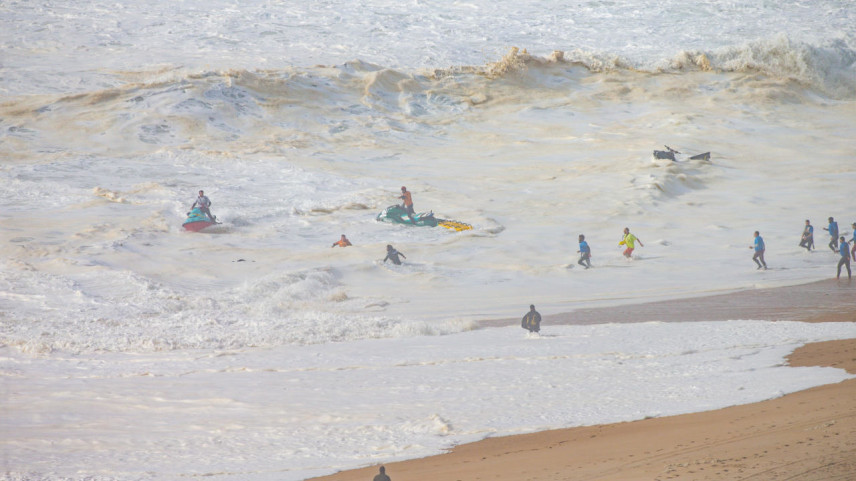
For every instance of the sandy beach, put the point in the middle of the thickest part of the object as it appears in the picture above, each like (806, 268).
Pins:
(808, 435)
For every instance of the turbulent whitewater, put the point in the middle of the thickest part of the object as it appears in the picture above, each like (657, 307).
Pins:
(533, 122)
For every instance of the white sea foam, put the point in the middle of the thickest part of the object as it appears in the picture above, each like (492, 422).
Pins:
(532, 122)
(292, 412)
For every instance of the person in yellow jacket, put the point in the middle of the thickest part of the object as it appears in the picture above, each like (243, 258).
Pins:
(629, 241)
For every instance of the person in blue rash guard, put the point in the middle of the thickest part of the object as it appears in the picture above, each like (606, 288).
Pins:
(832, 228)
(844, 250)
(759, 251)
(585, 253)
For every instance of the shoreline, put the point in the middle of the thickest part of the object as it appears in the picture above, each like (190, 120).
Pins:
(810, 434)
(801, 302)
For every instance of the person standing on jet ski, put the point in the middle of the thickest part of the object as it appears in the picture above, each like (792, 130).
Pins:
(204, 204)
(408, 202)
(392, 254)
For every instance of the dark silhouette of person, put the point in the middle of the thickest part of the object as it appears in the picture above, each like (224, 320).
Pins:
(392, 255)
(807, 239)
(532, 320)
(382, 476)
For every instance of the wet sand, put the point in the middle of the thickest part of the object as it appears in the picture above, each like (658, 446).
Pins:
(830, 299)
(808, 435)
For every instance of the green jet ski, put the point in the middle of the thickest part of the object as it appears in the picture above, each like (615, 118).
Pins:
(396, 214)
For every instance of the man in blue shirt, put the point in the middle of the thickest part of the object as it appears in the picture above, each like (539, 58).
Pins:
(585, 253)
(844, 250)
(833, 232)
(759, 251)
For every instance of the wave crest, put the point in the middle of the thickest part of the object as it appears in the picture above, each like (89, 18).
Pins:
(830, 69)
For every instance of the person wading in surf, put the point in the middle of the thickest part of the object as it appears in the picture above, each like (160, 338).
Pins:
(832, 228)
(759, 247)
(807, 239)
(630, 241)
(343, 242)
(532, 320)
(844, 250)
(392, 254)
(585, 253)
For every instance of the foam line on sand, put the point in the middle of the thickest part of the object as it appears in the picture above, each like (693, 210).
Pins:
(808, 435)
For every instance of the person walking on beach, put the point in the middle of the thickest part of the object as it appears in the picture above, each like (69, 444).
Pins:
(807, 239)
(343, 242)
(759, 251)
(844, 250)
(382, 476)
(531, 320)
(392, 254)
(630, 241)
(585, 253)
(408, 202)
(832, 228)
(204, 204)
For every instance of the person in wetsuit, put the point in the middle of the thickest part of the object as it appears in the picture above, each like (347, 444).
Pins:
(392, 254)
(759, 247)
(844, 250)
(532, 320)
(585, 253)
(807, 239)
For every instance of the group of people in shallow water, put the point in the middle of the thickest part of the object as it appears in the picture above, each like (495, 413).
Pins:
(628, 241)
(838, 243)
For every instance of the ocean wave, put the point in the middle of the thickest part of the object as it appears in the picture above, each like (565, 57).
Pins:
(830, 68)
(360, 104)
